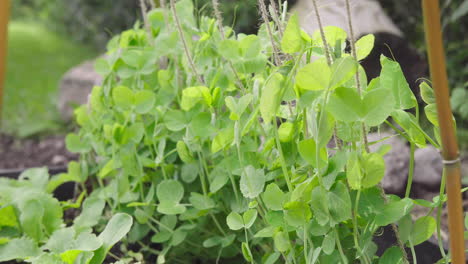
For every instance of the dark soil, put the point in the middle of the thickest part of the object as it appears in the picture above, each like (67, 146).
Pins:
(20, 154)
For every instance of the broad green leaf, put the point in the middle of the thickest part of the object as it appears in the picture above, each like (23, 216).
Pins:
(377, 107)
(222, 139)
(346, 105)
(410, 125)
(123, 97)
(364, 46)
(8, 217)
(238, 107)
(235, 221)
(252, 182)
(423, 228)
(308, 151)
(393, 211)
(229, 49)
(292, 41)
(18, 248)
(117, 227)
(333, 35)
(201, 202)
(339, 202)
(90, 214)
(314, 76)
(268, 231)
(271, 97)
(191, 96)
(75, 144)
(342, 70)
(271, 258)
(201, 125)
(162, 236)
(189, 172)
(170, 191)
(392, 255)
(144, 101)
(249, 217)
(286, 131)
(273, 197)
(178, 236)
(281, 241)
(220, 179)
(32, 213)
(246, 252)
(393, 79)
(328, 244)
(297, 213)
(431, 113)
(319, 205)
(405, 225)
(374, 169)
(427, 93)
(183, 152)
(175, 120)
(102, 67)
(212, 241)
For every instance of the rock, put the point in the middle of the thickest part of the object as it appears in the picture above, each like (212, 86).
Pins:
(368, 16)
(396, 161)
(75, 87)
(427, 167)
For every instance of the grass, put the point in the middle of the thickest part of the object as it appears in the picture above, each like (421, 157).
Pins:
(37, 59)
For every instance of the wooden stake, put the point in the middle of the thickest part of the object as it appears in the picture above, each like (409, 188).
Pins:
(4, 17)
(450, 153)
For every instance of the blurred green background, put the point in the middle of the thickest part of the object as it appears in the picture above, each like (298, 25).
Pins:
(65, 33)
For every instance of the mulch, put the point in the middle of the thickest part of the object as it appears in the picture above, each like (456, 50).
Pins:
(20, 154)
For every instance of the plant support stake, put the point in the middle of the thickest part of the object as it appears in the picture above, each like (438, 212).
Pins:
(4, 16)
(450, 153)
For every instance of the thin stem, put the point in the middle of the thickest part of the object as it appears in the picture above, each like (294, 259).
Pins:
(340, 249)
(219, 20)
(263, 12)
(410, 170)
(184, 42)
(144, 9)
(322, 34)
(276, 17)
(439, 214)
(282, 159)
(413, 252)
(306, 257)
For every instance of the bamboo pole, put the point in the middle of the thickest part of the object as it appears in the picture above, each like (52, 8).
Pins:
(450, 153)
(4, 16)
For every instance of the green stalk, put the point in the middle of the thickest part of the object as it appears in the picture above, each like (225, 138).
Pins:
(410, 170)
(282, 159)
(306, 257)
(340, 249)
(413, 252)
(439, 214)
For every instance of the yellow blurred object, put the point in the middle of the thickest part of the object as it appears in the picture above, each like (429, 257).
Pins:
(4, 17)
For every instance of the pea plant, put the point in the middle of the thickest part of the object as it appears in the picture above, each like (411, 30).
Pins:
(32, 227)
(227, 146)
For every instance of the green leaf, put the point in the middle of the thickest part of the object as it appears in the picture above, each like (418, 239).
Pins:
(201, 202)
(8, 217)
(175, 120)
(90, 214)
(189, 172)
(191, 96)
(328, 244)
(183, 152)
(364, 46)
(423, 229)
(431, 113)
(249, 217)
(308, 151)
(281, 241)
(392, 78)
(393, 211)
(144, 101)
(339, 202)
(297, 213)
(229, 49)
(314, 76)
(75, 144)
(342, 70)
(235, 221)
(238, 107)
(333, 35)
(102, 67)
(273, 197)
(123, 97)
(427, 93)
(319, 205)
(222, 139)
(212, 241)
(117, 227)
(374, 169)
(252, 182)
(392, 255)
(32, 213)
(18, 248)
(271, 97)
(292, 41)
(286, 131)
(246, 252)
(268, 231)
(170, 191)
(404, 228)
